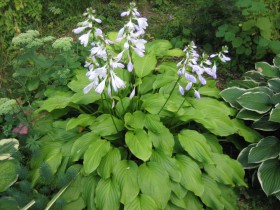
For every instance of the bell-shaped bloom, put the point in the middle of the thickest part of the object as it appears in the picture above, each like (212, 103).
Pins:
(88, 88)
(196, 94)
(116, 81)
(181, 90)
(130, 66)
(99, 89)
(132, 94)
(84, 38)
(189, 86)
(190, 78)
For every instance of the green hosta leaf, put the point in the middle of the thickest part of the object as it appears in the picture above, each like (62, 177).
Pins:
(190, 201)
(8, 147)
(269, 176)
(213, 142)
(126, 174)
(163, 141)
(147, 84)
(8, 173)
(107, 195)
(245, 114)
(141, 202)
(196, 145)
(168, 163)
(267, 148)
(122, 106)
(152, 123)
(258, 102)
(175, 53)
(144, 65)
(264, 125)
(210, 89)
(191, 174)
(139, 143)
(82, 120)
(211, 196)
(152, 177)
(276, 61)
(81, 145)
(267, 70)
(226, 170)
(108, 162)
(275, 46)
(178, 189)
(275, 99)
(163, 79)
(106, 125)
(135, 120)
(8, 203)
(78, 204)
(93, 155)
(153, 102)
(73, 192)
(275, 114)
(274, 84)
(80, 82)
(243, 157)
(159, 47)
(89, 184)
(81, 98)
(249, 134)
(263, 89)
(228, 197)
(56, 102)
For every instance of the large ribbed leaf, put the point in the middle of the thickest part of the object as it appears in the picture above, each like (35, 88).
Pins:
(163, 141)
(228, 197)
(258, 102)
(168, 163)
(126, 174)
(82, 120)
(243, 158)
(135, 120)
(107, 195)
(267, 70)
(231, 94)
(211, 196)
(226, 170)
(154, 181)
(191, 174)
(108, 162)
(89, 184)
(196, 145)
(152, 123)
(159, 47)
(190, 201)
(249, 134)
(93, 155)
(269, 176)
(106, 125)
(267, 148)
(274, 84)
(8, 173)
(141, 202)
(178, 189)
(248, 115)
(275, 114)
(144, 65)
(153, 102)
(139, 143)
(81, 145)
(73, 192)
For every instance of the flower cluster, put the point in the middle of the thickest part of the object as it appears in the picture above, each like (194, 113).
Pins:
(193, 67)
(131, 33)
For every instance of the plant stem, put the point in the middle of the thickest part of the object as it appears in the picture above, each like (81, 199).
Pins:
(31, 203)
(169, 94)
(178, 110)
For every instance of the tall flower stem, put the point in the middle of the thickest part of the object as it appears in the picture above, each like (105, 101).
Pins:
(169, 94)
(171, 123)
(110, 110)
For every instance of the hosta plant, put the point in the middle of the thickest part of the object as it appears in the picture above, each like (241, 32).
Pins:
(132, 130)
(257, 98)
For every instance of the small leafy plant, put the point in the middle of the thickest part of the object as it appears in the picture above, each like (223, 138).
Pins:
(129, 131)
(257, 98)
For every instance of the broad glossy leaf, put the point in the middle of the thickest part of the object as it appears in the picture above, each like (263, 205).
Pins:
(196, 145)
(126, 175)
(153, 123)
(213, 142)
(144, 65)
(81, 98)
(231, 94)
(134, 120)
(106, 125)
(267, 70)
(8, 203)
(247, 133)
(226, 170)
(275, 99)
(229, 197)
(258, 102)
(264, 124)
(243, 157)
(210, 89)
(269, 176)
(211, 196)
(178, 189)
(245, 114)
(74, 191)
(163, 141)
(139, 143)
(8, 173)
(159, 47)
(153, 102)
(141, 202)
(80, 82)
(89, 184)
(175, 53)
(82, 120)
(93, 155)
(168, 163)
(152, 177)
(108, 162)
(81, 145)
(267, 148)
(8, 147)
(190, 201)
(275, 114)
(107, 195)
(191, 174)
